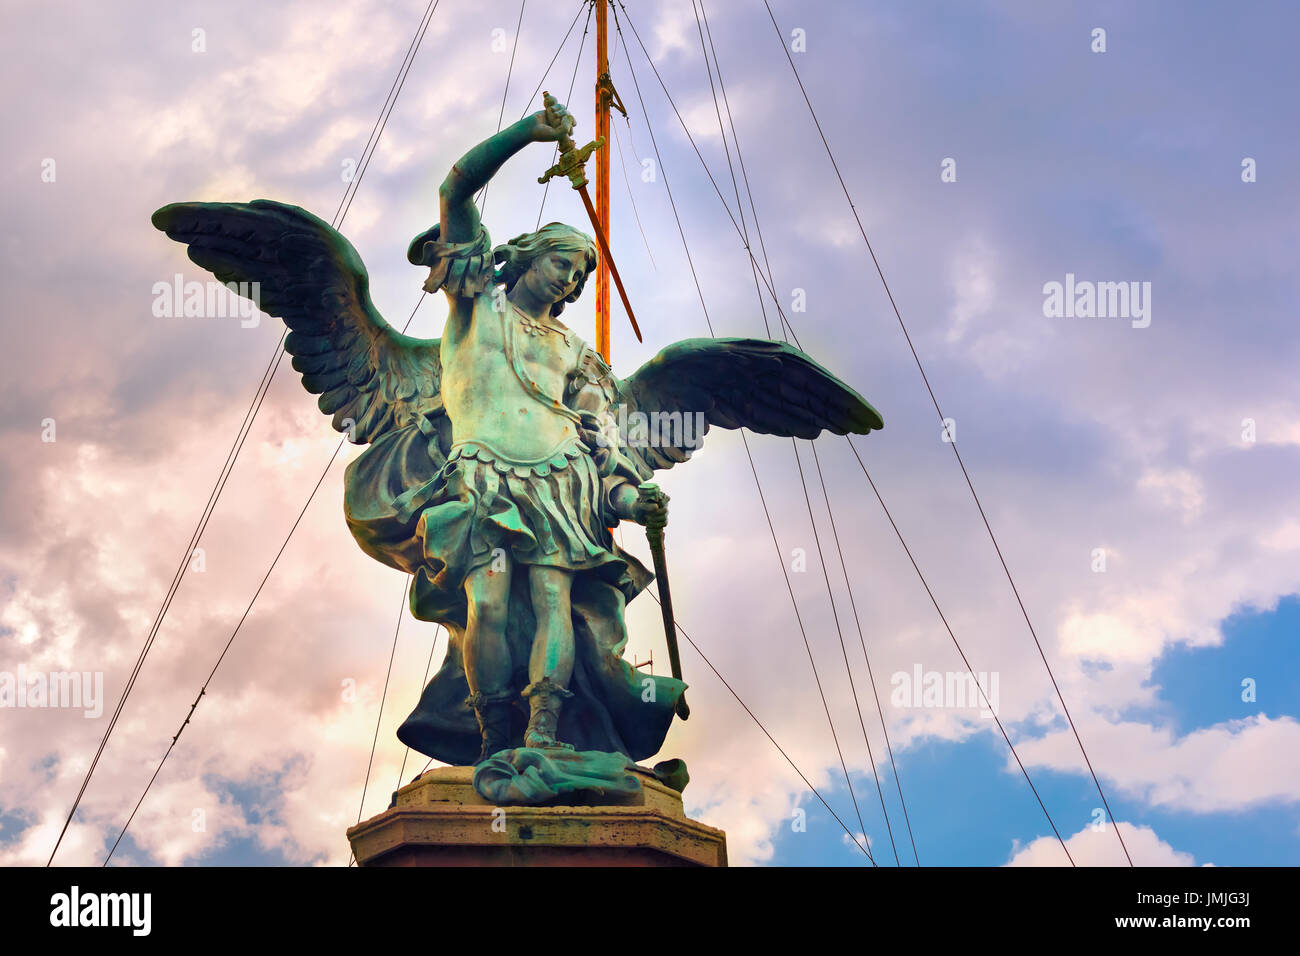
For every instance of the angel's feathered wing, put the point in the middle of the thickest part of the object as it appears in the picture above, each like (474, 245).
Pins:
(369, 376)
(765, 386)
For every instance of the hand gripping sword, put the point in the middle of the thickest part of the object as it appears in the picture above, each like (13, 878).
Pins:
(654, 532)
(571, 164)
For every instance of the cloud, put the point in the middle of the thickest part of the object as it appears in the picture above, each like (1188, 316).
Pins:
(1097, 846)
(1230, 767)
(1078, 434)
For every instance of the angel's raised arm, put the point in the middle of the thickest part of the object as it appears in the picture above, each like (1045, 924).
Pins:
(456, 209)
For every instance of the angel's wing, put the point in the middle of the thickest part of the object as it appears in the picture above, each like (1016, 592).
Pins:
(767, 387)
(369, 376)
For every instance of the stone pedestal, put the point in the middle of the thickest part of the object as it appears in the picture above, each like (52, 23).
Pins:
(439, 820)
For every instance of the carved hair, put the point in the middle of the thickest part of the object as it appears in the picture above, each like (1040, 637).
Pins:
(518, 254)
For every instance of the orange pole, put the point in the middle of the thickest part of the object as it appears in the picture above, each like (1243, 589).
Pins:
(603, 97)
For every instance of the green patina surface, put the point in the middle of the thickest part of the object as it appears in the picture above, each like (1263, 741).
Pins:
(497, 463)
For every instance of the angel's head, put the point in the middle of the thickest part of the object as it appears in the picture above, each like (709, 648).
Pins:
(553, 263)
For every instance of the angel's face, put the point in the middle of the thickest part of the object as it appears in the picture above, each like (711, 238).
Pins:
(553, 276)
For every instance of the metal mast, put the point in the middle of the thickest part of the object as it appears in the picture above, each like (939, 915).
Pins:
(603, 97)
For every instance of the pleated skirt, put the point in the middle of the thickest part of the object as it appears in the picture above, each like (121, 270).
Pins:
(484, 507)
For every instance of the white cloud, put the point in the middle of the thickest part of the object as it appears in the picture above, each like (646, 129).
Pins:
(1229, 767)
(1077, 435)
(1178, 489)
(1098, 846)
(972, 275)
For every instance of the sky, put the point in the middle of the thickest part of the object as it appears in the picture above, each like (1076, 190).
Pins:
(1139, 469)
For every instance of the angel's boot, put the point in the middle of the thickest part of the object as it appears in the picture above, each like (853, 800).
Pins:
(493, 713)
(545, 697)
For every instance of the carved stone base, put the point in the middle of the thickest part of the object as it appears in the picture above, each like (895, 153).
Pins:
(439, 820)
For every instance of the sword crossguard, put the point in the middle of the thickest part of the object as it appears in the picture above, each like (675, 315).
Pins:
(572, 162)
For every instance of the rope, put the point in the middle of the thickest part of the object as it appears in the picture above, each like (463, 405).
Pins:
(622, 161)
(376, 130)
(393, 102)
(753, 468)
(920, 368)
(863, 641)
(825, 495)
(707, 171)
(969, 667)
(568, 99)
(247, 610)
(383, 699)
(794, 447)
(224, 474)
(204, 689)
(573, 80)
(482, 199)
(433, 646)
(768, 283)
(740, 157)
(558, 50)
(537, 89)
(853, 690)
(483, 196)
(502, 113)
(852, 836)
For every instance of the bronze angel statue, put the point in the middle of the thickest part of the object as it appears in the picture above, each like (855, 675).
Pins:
(491, 476)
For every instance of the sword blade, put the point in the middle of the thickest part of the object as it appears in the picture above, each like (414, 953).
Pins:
(609, 258)
(656, 539)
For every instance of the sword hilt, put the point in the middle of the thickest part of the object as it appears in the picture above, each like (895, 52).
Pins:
(552, 119)
(572, 163)
(649, 493)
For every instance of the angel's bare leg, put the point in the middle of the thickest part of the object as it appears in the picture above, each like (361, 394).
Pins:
(552, 654)
(550, 664)
(487, 655)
